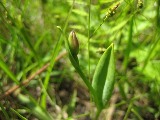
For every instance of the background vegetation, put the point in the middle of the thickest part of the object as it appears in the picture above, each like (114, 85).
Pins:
(32, 54)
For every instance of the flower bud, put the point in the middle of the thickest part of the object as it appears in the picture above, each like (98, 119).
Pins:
(73, 43)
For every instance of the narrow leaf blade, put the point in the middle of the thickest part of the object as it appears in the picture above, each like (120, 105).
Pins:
(5, 68)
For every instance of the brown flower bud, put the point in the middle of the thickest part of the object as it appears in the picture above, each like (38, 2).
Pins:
(73, 43)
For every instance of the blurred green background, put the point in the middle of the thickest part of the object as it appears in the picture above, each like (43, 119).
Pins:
(29, 39)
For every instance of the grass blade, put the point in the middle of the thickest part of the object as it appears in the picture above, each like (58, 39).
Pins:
(4, 67)
(35, 109)
(129, 46)
(55, 53)
(19, 115)
(4, 112)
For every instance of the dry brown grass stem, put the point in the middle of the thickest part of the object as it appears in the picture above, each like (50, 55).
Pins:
(31, 77)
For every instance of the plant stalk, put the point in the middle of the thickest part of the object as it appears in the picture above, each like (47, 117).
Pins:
(89, 19)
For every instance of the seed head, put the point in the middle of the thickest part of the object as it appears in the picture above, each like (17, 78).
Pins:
(112, 10)
(140, 4)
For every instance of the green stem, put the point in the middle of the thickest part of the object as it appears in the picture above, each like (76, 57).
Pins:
(129, 46)
(155, 40)
(55, 51)
(98, 113)
(128, 111)
(137, 114)
(75, 63)
(89, 18)
(150, 52)
(158, 14)
(97, 28)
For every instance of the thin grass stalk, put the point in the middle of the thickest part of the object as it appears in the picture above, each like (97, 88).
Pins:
(121, 89)
(158, 14)
(157, 33)
(150, 52)
(4, 112)
(129, 46)
(128, 111)
(98, 114)
(89, 18)
(18, 114)
(137, 114)
(97, 28)
(55, 51)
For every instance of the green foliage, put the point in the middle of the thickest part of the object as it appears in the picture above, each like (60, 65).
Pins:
(103, 79)
(29, 39)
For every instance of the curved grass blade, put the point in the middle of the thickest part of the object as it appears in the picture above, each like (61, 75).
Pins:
(3, 110)
(5, 68)
(55, 53)
(18, 114)
(34, 108)
(103, 79)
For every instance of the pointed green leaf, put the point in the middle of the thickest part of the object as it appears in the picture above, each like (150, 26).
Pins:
(103, 79)
(18, 114)
(5, 68)
(35, 108)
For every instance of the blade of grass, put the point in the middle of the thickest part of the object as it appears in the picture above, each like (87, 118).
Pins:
(129, 46)
(150, 53)
(37, 44)
(89, 18)
(31, 77)
(128, 111)
(35, 109)
(156, 41)
(158, 14)
(19, 115)
(72, 104)
(121, 89)
(5, 68)
(26, 38)
(21, 32)
(55, 53)
(137, 114)
(4, 112)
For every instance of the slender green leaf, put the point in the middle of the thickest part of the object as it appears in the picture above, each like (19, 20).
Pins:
(5, 68)
(72, 104)
(103, 79)
(4, 112)
(26, 38)
(52, 62)
(151, 51)
(19, 115)
(129, 46)
(36, 109)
